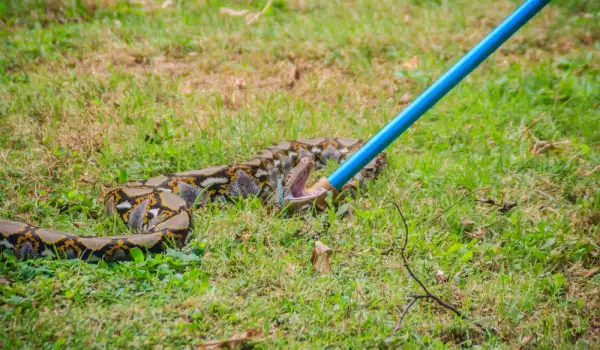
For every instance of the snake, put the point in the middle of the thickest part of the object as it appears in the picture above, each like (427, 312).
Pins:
(158, 211)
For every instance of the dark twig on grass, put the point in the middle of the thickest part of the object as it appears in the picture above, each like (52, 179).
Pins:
(428, 294)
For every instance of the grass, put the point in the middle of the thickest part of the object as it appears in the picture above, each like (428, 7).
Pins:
(95, 93)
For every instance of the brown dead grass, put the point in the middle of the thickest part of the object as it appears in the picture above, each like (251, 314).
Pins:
(240, 80)
(86, 136)
(62, 11)
(240, 85)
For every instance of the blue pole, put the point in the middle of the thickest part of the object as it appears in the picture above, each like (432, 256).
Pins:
(435, 92)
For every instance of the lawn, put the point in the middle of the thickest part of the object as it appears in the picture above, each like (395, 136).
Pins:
(97, 93)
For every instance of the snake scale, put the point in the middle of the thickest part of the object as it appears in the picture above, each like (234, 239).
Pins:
(158, 210)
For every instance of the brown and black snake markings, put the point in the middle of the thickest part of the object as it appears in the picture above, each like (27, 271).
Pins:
(158, 209)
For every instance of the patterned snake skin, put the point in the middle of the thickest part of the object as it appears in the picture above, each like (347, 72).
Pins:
(159, 208)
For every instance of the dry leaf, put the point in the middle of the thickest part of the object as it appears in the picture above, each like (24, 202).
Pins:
(479, 233)
(591, 272)
(291, 268)
(244, 235)
(542, 146)
(526, 340)
(456, 291)
(240, 83)
(590, 172)
(405, 99)
(411, 64)
(235, 341)
(359, 291)
(268, 241)
(467, 222)
(440, 276)
(231, 12)
(320, 257)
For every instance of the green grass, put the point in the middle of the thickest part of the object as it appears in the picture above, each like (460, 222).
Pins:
(93, 96)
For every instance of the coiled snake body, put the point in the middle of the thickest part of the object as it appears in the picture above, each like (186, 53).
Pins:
(159, 208)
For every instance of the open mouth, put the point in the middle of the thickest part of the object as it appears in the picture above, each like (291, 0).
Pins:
(297, 182)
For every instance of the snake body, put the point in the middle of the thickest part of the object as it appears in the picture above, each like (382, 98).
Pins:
(159, 209)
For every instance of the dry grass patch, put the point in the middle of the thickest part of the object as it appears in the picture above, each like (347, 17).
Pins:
(124, 97)
(241, 80)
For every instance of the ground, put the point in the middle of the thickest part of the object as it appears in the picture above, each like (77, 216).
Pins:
(96, 93)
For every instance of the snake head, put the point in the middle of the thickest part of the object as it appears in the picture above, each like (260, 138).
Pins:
(296, 196)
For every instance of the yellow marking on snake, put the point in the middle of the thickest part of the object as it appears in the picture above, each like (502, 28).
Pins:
(166, 210)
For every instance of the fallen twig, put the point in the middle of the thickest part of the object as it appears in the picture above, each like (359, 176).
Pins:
(250, 16)
(428, 294)
(237, 340)
(527, 130)
(254, 16)
(231, 12)
(541, 146)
